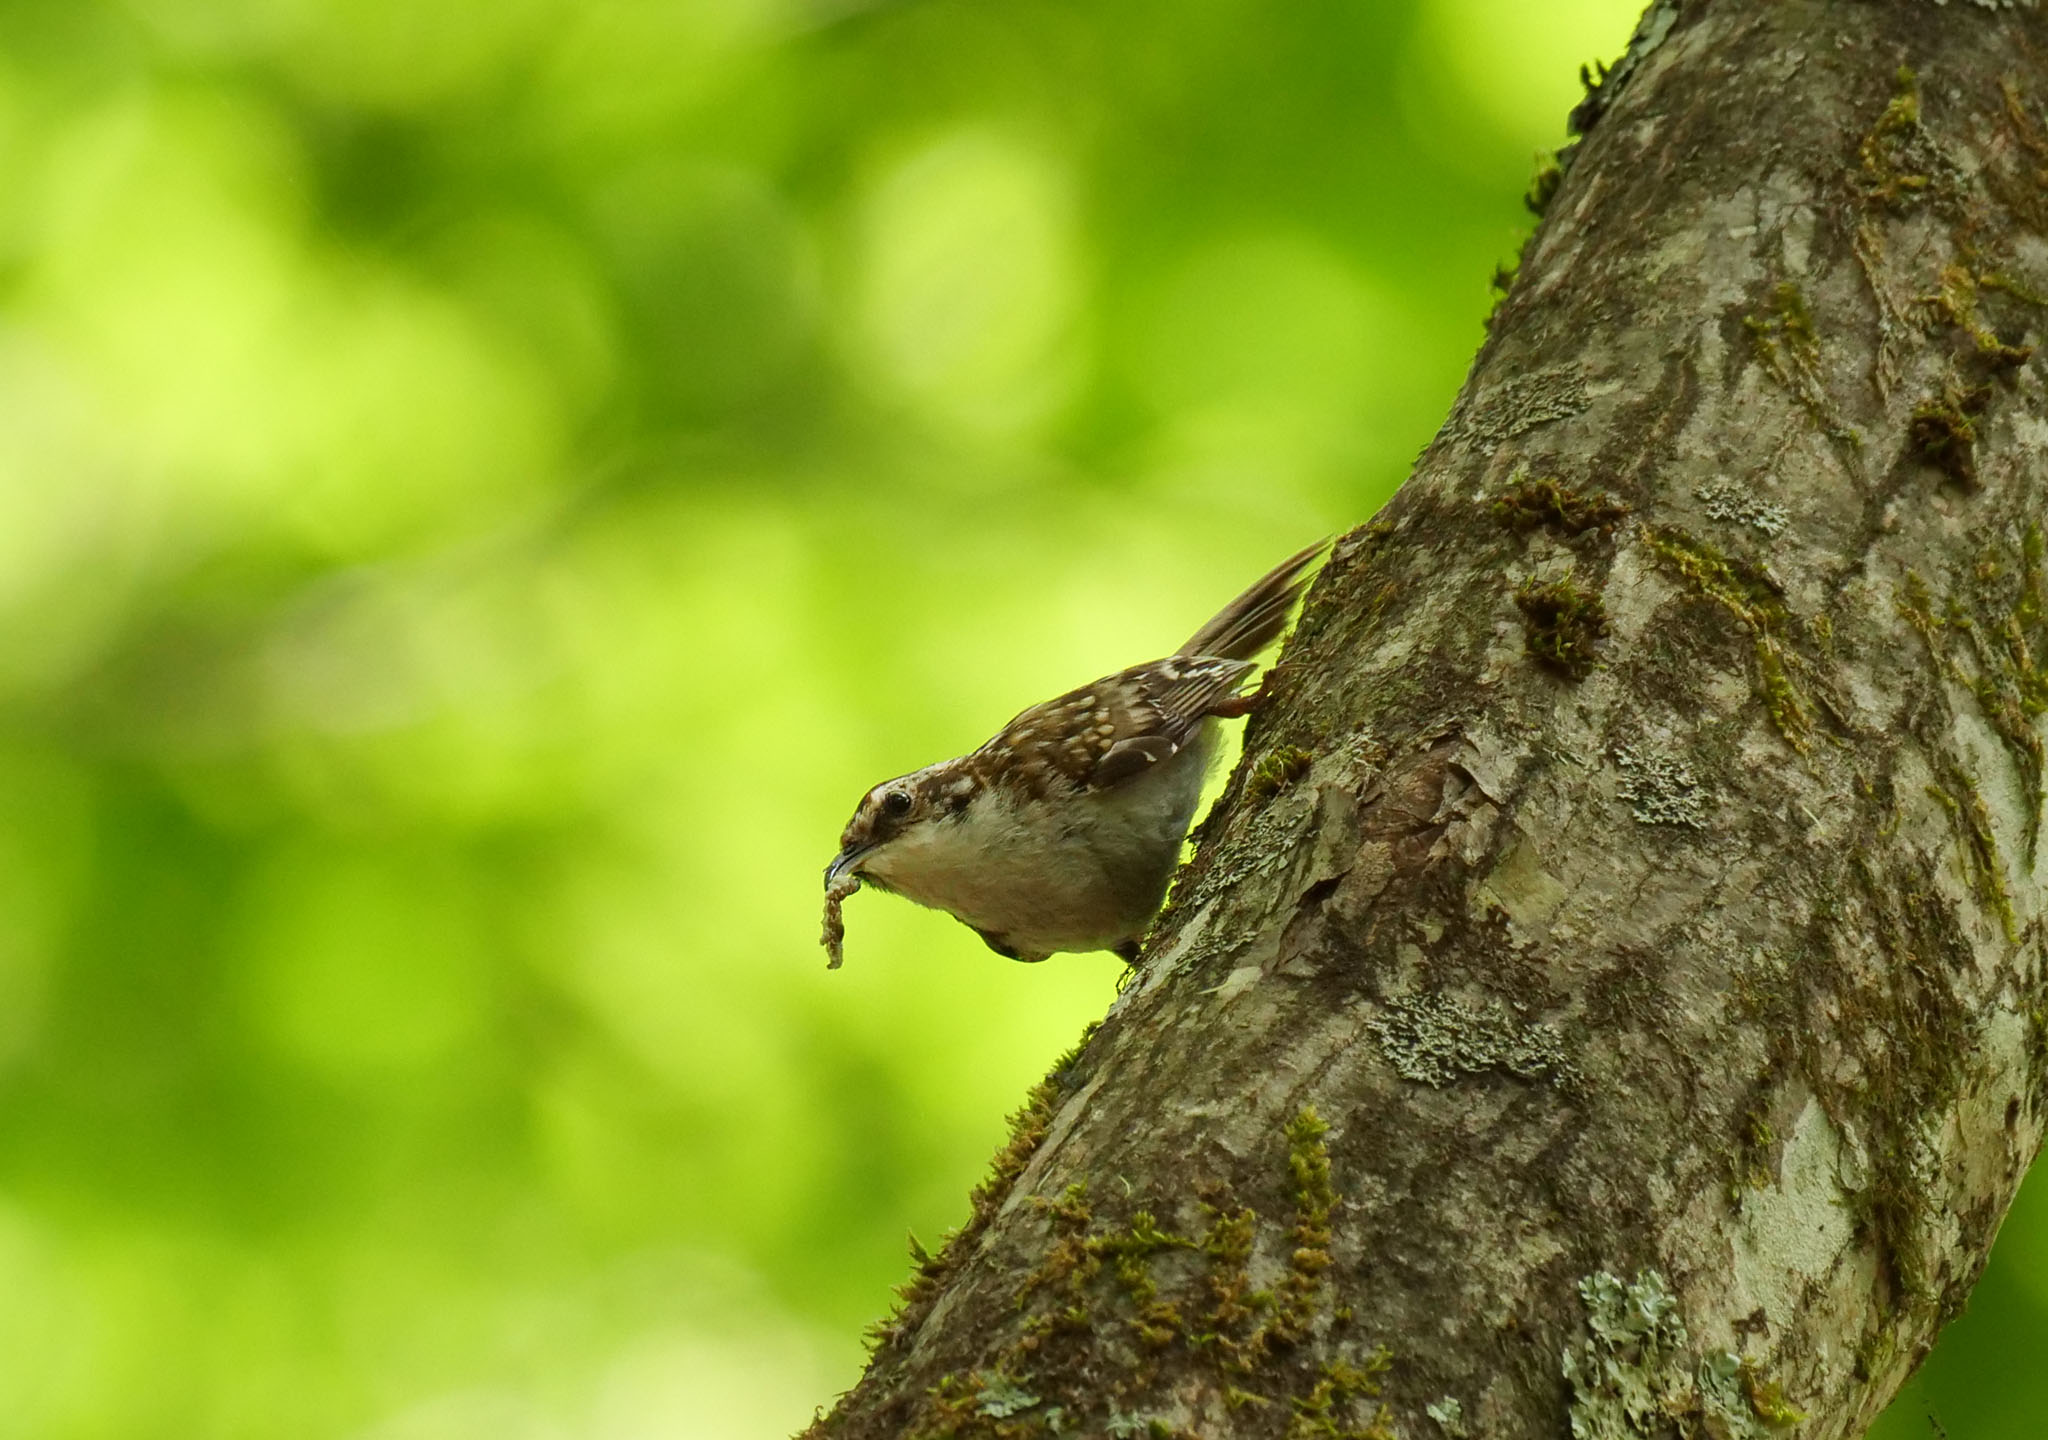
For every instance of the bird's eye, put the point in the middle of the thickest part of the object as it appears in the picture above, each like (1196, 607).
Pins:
(896, 802)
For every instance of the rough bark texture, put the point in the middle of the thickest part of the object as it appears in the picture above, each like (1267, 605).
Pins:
(1610, 995)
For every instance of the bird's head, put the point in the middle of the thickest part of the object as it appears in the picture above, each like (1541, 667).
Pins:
(898, 818)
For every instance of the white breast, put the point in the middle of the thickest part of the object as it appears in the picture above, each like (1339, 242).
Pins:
(1084, 872)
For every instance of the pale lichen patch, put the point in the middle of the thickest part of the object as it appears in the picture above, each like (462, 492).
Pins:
(1661, 790)
(1521, 404)
(1636, 1375)
(1263, 847)
(1435, 1039)
(1630, 1377)
(1727, 501)
(1449, 1416)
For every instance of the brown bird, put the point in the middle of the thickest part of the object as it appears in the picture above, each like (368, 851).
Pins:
(1061, 833)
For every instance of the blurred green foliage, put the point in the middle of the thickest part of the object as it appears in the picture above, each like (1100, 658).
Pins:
(483, 488)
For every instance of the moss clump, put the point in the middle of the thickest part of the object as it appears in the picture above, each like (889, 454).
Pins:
(1308, 1166)
(1892, 171)
(1956, 302)
(1158, 1323)
(2027, 623)
(1745, 593)
(2014, 286)
(1562, 624)
(1785, 340)
(1982, 862)
(1896, 169)
(1782, 700)
(1752, 1170)
(1875, 1350)
(1794, 320)
(2022, 182)
(951, 1409)
(1529, 504)
(1734, 583)
(2002, 626)
(1503, 285)
(1277, 769)
(1543, 188)
(1943, 433)
(1233, 1303)
(1736, 1401)
(1593, 104)
(2001, 357)
(1767, 1399)
(1071, 1263)
(1339, 1387)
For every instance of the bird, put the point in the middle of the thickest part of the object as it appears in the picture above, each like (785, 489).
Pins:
(1062, 832)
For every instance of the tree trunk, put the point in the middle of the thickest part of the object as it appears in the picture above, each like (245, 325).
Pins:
(1611, 990)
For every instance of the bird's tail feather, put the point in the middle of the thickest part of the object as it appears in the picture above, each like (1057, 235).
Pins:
(1255, 619)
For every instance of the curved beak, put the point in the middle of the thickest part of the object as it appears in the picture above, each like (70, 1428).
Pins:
(844, 861)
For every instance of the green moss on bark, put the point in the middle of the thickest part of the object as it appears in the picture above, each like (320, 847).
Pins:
(1097, 1288)
(1277, 769)
(1943, 433)
(1743, 591)
(1988, 637)
(1563, 624)
(1892, 162)
(1545, 502)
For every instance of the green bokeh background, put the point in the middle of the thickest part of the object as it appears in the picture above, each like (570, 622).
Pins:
(484, 485)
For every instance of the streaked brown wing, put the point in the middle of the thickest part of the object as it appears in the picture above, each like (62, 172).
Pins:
(1180, 692)
(1101, 735)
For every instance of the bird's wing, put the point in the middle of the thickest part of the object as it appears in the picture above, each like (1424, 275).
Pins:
(1102, 735)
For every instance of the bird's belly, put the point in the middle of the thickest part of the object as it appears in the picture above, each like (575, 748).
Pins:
(1087, 875)
(1059, 901)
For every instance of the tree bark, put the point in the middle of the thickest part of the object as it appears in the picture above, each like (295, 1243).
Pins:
(1609, 998)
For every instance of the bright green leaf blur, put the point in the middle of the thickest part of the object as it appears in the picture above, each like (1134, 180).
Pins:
(483, 489)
